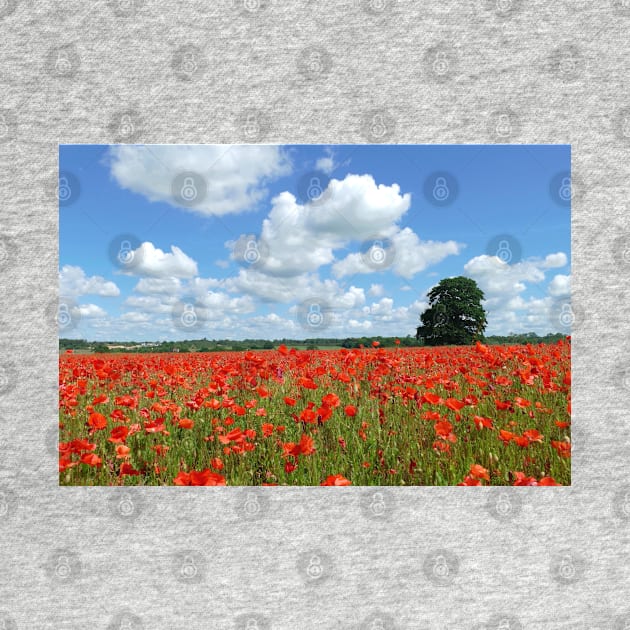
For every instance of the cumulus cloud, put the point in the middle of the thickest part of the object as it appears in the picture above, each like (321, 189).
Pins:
(503, 285)
(135, 318)
(325, 164)
(560, 286)
(409, 254)
(301, 238)
(91, 311)
(235, 176)
(297, 289)
(376, 290)
(153, 262)
(553, 261)
(73, 283)
(151, 286)
(498, 278)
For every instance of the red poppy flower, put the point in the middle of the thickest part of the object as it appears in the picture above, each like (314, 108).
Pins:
(336, 480)
(97, 421)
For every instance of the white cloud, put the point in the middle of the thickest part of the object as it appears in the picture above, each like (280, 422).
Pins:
(151, 303)
(135, 317)
(560, 286)
(301, 239)
(151, 286)
(409, 254)
(296, 289)
(498, 278)
(376, 290)
(92, 310)
(153, 262)
(361, 326)
(73, 283)
(221, 303)
(325, 164)
(504, 284)
(235, 176)
(553, 261)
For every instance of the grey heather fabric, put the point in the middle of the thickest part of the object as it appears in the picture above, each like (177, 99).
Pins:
(348, 71)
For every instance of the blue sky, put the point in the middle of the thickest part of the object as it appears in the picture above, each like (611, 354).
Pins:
(355, 233)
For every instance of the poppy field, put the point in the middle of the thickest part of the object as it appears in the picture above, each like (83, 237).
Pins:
(469, 415)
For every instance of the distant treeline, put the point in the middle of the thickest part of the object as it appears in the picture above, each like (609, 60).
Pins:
(221, 345)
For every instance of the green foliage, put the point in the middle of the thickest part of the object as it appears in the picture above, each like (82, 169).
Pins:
(455, 315)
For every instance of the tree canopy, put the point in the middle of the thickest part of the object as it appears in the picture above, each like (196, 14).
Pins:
(455, 315)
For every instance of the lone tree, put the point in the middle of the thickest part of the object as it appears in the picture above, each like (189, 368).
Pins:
(455, 315)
